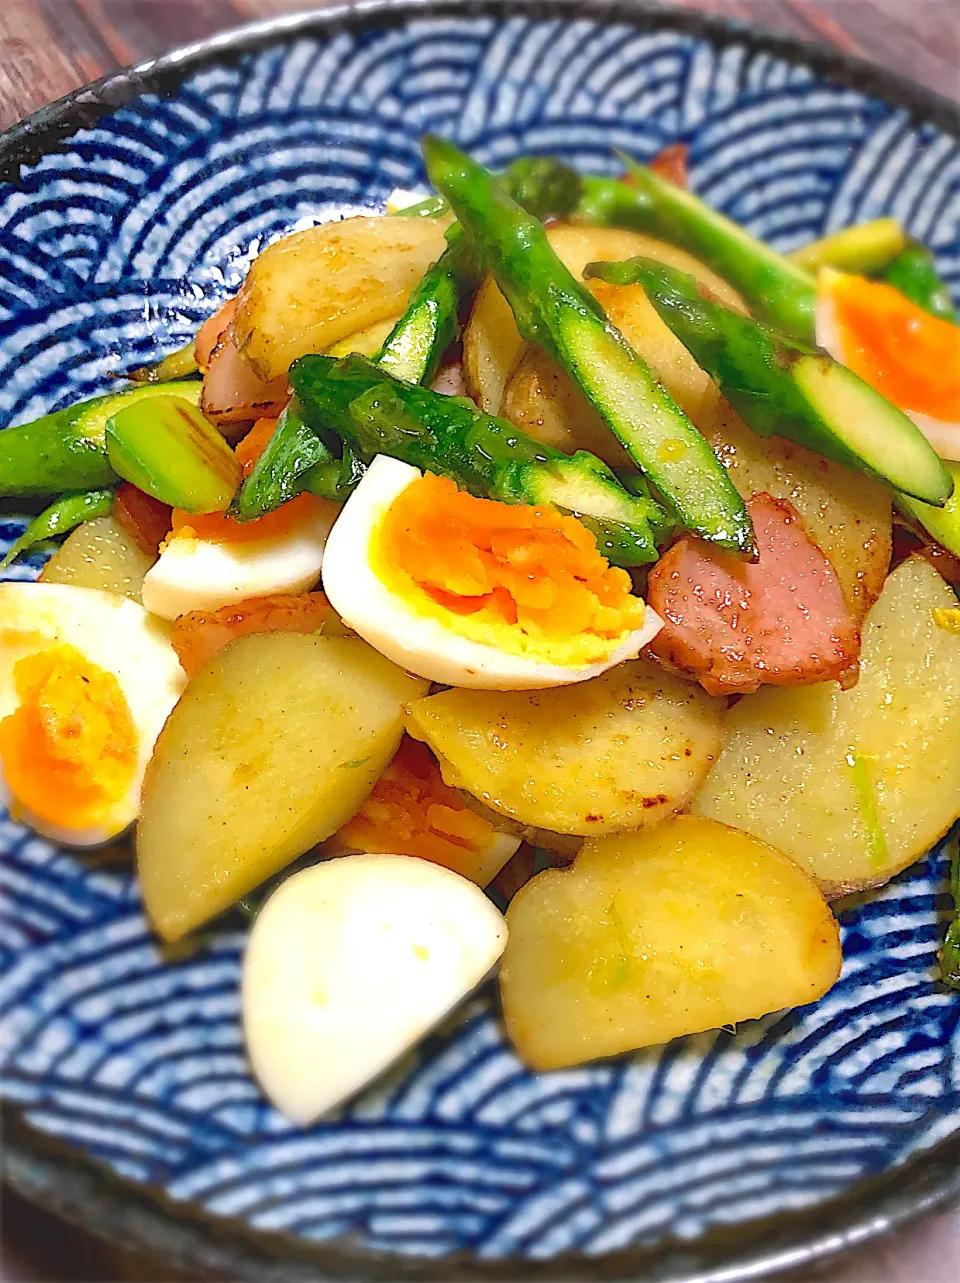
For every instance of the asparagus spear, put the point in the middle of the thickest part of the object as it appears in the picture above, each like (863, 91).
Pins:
(913, 273)
(942, 523)
(431, 321)
(545, 187)
(489, 457)
(777, 290)
(66, 450)
(175, 365)
(866, 248)
(555, 310)
(68, 511)
(787, 388)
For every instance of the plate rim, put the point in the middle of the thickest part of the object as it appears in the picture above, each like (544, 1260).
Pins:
(82, 1189)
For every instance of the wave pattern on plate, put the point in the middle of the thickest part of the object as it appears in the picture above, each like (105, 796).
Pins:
(112, 251)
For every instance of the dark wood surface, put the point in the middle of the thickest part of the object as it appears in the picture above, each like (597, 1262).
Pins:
(48, 47)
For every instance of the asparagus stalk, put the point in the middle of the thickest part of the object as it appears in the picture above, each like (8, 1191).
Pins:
(491, 458)
(431, 319)
(175, 365)
(866, 248)
(555, 310)
(787, 388)
(60, 518)
(170, 451)
(67, 450)
(913, 273)
(777, 290)
(543, 185)
(943, 524)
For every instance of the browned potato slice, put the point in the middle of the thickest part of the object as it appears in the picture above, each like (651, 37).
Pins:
(578, 246)
(854, 785)
(847, 516)
(309, 290)
(272, 747)
(99, 554)
(651, 935)
(544, 401)
(624, 749)
(490, 346)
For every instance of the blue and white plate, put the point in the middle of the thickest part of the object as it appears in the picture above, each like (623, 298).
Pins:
(132, 210)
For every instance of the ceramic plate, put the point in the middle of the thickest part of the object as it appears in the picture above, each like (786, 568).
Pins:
(132, 210)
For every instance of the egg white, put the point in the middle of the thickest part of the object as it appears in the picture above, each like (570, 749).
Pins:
(349, 964)
(201, 574)
(420, 643)
(943, 434)
(115, 634)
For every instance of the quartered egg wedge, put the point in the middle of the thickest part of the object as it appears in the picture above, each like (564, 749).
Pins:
(476, 593)
(349, 964)
(87, 680)
(212, 560)
(909, 356)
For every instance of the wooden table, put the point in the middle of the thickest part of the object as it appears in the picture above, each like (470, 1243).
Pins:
(48, 47)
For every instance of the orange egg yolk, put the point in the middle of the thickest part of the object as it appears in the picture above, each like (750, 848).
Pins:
(515, 576)
(412, 812)
(69, 750)
(909, 356)
(217, 527)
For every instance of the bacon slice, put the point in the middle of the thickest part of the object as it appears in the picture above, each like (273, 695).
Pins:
(736, 625)
(211, 331)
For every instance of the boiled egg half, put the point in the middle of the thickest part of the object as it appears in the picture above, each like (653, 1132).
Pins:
(212, 560)
(349, 964)
(87, 679)
(477, 593)
(909, 356)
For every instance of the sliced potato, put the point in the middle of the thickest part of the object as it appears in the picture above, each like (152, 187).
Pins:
(656, 934)
(854, 785)
(578, 246)
(847, 516)
(273, 746)
(309, 290)
(491, 342)
(625, 749)
(99, 554)
(543, 400)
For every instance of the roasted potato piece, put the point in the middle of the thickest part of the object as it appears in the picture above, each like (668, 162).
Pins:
(491, 342)
(544, 401)
(651, 935)
(100, 554)
(847, 516)
(624, 749)
(309, 290)
(578, 246)
(854, 785)
(272, 747)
